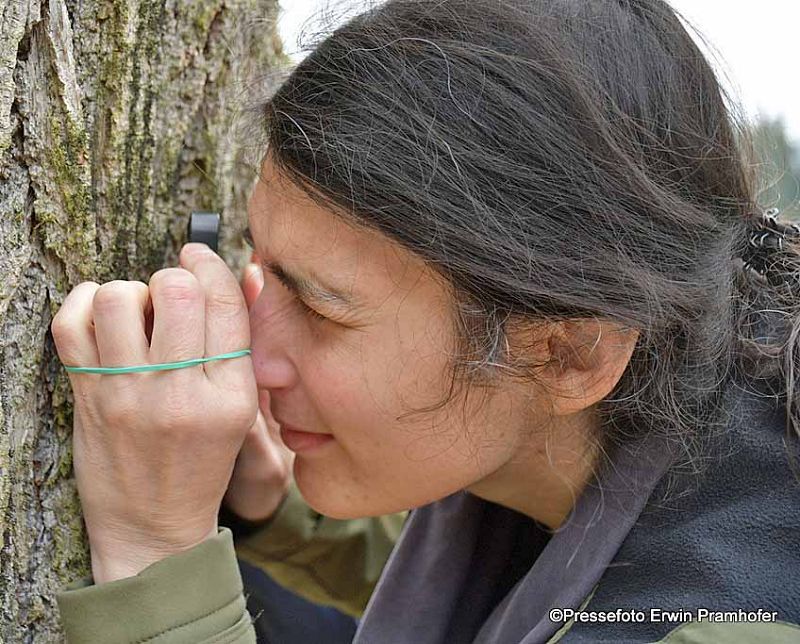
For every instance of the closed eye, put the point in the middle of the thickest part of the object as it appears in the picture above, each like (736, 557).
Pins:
(289, 286)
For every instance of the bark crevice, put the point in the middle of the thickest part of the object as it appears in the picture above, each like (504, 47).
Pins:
(115, 123)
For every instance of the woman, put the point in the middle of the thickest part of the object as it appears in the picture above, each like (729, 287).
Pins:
(515, 278)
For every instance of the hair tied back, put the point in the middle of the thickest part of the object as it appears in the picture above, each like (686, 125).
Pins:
(766, 243)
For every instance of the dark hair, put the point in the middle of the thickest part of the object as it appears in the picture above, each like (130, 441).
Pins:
(552, 160)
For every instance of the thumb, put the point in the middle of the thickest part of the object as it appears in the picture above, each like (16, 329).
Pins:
(252, 283)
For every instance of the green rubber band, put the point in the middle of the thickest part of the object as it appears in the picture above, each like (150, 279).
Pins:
(165, 366)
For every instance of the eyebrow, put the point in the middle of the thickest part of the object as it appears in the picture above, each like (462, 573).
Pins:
(301, 286)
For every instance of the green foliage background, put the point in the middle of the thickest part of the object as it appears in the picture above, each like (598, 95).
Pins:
(778, 166)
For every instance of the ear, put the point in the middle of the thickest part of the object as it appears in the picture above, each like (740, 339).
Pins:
(588, 357)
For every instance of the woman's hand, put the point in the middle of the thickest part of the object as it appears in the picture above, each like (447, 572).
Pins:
(153, 452)
(263, 468)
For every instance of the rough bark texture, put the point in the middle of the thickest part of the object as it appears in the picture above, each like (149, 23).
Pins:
(115, 123)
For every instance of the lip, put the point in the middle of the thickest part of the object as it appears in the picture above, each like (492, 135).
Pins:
(300, 441)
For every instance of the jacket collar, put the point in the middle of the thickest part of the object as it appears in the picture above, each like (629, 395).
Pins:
(419, 598)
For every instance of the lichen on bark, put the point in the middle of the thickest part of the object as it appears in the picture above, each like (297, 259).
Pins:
(116, 121)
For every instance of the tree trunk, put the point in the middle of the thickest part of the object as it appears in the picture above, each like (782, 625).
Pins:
(115, 123)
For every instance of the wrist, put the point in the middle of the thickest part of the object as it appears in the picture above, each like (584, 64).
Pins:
(107, 568)
(119, 559)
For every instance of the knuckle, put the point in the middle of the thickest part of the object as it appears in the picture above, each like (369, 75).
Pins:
(175, 284)
(61, 328)
(137, 285)
(87, 285)
(229, 298)
(66, 318)
(111, 295)
(227, 303)
(65, 339)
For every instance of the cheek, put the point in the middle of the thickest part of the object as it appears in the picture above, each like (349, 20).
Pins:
(364, 388)
(387, 457)
(355, 390)
(385, 462)
(380, 400)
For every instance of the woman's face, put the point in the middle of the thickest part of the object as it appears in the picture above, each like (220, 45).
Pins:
(381, 349)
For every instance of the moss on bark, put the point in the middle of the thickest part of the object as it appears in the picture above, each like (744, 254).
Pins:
(115, 123)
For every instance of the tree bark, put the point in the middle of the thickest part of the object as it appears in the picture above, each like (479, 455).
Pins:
(115, 123)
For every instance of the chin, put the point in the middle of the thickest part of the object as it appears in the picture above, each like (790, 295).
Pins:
(325, 498)
(339, 501)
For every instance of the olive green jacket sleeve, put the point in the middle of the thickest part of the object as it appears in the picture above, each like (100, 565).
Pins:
(194, 597)
(327, 561)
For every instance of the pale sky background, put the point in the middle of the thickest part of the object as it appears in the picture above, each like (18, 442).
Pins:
(756, 40)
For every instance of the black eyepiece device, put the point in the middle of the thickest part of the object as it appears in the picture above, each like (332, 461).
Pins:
(204, 228)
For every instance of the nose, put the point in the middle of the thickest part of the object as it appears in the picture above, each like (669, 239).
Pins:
(271, 341)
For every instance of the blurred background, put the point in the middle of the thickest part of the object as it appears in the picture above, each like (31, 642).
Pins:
(751, 44)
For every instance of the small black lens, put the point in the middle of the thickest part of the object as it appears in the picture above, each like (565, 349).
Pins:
(204, 228)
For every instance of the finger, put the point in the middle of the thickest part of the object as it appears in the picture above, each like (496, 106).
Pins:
(118, 309)
(252, 283)
(73, 330)
(178, 319)
(227, 324)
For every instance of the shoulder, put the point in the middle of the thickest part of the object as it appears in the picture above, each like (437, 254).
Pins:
(725, 544)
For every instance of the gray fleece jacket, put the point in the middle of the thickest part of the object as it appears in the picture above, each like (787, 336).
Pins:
(638, 543)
